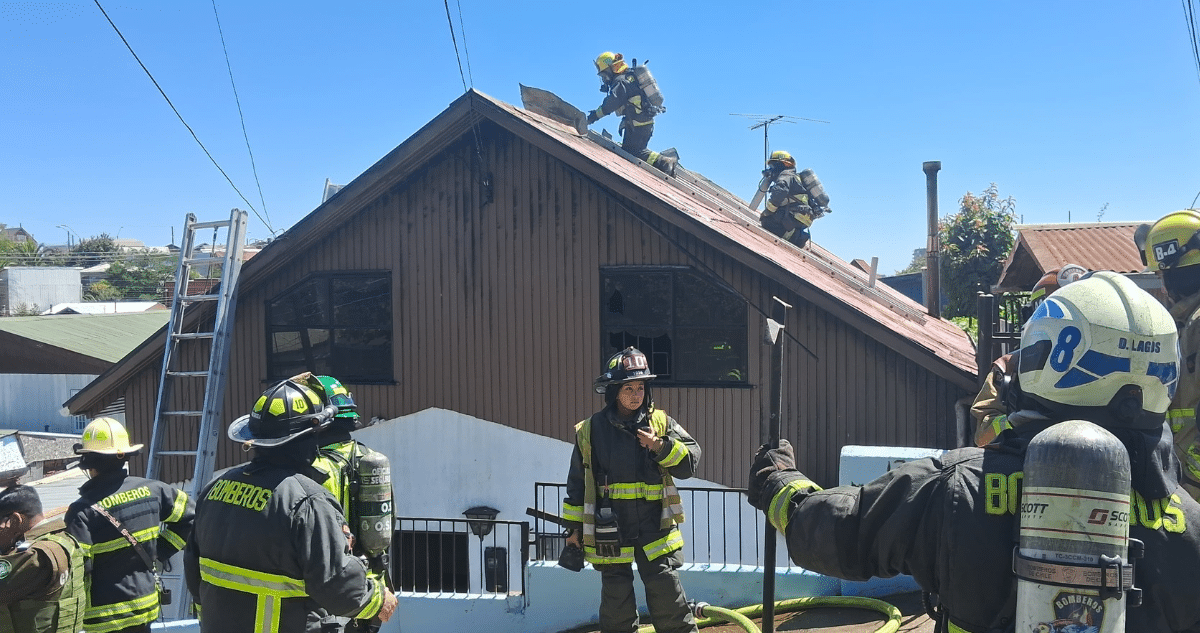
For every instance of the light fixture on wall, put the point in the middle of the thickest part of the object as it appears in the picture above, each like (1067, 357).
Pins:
(479, 519)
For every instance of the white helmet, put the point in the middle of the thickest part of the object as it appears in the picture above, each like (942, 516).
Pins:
(1091, 339)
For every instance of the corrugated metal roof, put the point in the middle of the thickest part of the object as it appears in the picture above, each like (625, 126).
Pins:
(690, 200)
(107, 337)
(1093, 245)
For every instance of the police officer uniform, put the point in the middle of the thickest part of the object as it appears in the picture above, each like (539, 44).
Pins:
(42, 583)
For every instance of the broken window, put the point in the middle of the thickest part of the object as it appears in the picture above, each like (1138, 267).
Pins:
(691, 328)
(335, 324)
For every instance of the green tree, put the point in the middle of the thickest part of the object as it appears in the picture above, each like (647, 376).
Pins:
(92, 251)
(975, 243)
(917, 263)
(137, 276)
(17, 253)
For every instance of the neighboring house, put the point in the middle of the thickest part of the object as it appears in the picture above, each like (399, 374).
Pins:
(492, 262)
(44, 360)
(1094, 245)
(31, 289)
(104, 307)
(18, 235)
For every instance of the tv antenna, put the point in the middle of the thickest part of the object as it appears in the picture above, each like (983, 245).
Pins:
(764, 121)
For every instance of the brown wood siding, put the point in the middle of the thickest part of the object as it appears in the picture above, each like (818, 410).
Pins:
(496, 315)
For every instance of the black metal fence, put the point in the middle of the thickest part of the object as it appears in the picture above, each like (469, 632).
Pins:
(721, 528)
(1000, 321)
(460, 555)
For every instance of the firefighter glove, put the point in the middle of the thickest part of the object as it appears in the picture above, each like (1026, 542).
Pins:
(767, 462)
(592, 117)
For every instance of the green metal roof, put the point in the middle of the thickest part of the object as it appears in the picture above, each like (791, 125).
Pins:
(107, 337)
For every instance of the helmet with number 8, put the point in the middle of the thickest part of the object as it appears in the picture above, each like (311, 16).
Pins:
(1101, 349)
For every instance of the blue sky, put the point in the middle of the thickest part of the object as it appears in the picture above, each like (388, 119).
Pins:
(1066, 106)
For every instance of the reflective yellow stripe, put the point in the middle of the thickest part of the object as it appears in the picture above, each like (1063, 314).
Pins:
(1179, 417)
(177, 510)
(141, 536)
(572, 513)
(250, 581)
(113, 617)
(589, 552)
(777, 513)
(373, 605)
(266, 614)
(641, 123)
(636, 490)
(173, 538)
(678, 453)
(954, 628)
(671, 542)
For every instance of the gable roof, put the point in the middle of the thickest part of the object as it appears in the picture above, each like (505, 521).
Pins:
(107, 337)
(689, 201)
(1093, 245)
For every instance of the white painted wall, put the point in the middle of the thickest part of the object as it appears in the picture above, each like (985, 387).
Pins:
(33, 402)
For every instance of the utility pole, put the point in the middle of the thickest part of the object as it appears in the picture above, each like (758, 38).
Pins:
(770, 436)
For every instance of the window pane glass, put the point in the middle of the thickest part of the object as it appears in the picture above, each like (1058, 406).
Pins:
(700, 302)
(362, 354)
(710, 354)
(362, 301)
(305, 304)
(655, 344)
(636, 299)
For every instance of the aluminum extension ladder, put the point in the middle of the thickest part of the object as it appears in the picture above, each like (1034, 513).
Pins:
(188, 375)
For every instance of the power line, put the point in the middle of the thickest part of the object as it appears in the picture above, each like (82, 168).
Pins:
(1189, 14)
(242, 118)
(454, 41)
(176, 111)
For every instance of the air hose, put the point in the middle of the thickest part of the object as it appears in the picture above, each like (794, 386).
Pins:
(708, 615)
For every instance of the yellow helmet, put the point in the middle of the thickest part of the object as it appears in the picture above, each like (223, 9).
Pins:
(107, 437)
(608, 60)
(781, 157)
(1174, 241)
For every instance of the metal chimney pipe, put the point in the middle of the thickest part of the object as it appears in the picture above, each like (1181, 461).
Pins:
(933, 277)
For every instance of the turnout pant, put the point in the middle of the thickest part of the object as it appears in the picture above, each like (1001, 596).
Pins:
(664, 595)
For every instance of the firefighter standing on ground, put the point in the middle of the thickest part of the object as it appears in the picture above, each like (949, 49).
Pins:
(990, 410)
(622, 496)
(41, 581)
(949, 521)
(790, 208)
(124, 588)
(359, 478)
(1173, 249)
(627, 99)
(271, 549)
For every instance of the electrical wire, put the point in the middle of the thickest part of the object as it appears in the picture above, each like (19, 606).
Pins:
(242, 118)
(1189, 14)
(454, 41)
(176, 111)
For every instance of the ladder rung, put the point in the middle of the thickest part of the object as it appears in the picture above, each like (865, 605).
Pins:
(188, 374)
(208, 225)
(199, 297)
(193, 335)
(194, 414)
(192, 453)
(213, 261)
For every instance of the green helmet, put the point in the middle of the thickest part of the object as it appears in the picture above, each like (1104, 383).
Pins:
(334, 393)
(285, 411)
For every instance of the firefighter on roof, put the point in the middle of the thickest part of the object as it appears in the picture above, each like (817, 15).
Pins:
(1173, 249)
(41, 581)
(271, 550)
(622, 496)
(124, 594)
(1101, 350)
(633, 95)
(793, 200)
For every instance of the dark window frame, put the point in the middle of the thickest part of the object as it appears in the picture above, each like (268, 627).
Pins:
(676, 349)
(336, 323)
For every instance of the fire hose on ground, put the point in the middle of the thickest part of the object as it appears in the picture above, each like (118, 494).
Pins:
(708, 615)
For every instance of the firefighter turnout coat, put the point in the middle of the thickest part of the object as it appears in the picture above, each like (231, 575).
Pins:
(1182, 414)
(41, 583)
(636, 483)
(269, 554)
(122, 590)
(951, 523)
